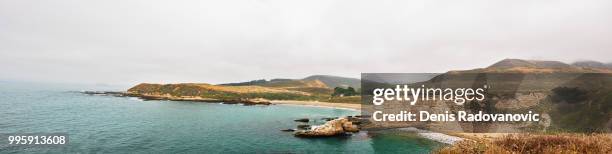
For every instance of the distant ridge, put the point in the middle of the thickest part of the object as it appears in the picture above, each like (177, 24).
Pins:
(335, 81)
(321, 81)
(287, 83)
(509, 63)
(592, 64)
(542, 66)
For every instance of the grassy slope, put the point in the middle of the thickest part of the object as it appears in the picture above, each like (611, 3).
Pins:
(218, 92)
(318, 90)
(336, 81)
(535, 143)
(285, 89)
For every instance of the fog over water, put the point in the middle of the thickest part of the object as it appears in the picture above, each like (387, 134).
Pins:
(127, 42)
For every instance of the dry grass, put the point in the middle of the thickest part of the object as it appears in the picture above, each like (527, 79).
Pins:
(529, 143)
(249, 89)
(295, 84)
(203, 86)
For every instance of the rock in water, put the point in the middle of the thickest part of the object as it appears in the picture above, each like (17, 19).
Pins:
(303, 127)
(302, 120)
(288, 130)
(349, 127)
(331, 128)
(329, 119)
(256, 101)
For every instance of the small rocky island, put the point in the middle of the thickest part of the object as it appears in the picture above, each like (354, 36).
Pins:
(333, 127)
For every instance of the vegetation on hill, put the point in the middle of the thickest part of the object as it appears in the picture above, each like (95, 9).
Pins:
(276, 89)
(295, 84)
(339, 91)
(279, 83)
(335, 81)
(248, 83)
(534, 143)
(317, 86)
(327, 80)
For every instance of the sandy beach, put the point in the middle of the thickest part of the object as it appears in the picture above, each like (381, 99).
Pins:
(320, 104)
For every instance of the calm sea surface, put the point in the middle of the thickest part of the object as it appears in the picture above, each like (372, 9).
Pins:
(104, 124)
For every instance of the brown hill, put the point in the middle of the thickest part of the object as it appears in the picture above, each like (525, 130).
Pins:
(320, 81)
(294, 84)
(537, 66)
(336, 81)
(510, 63)
(592, 64)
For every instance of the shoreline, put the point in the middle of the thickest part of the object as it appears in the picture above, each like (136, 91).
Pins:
(346, 106)
(435, 136)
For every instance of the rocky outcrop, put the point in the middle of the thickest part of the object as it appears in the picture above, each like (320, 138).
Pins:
(256, 101)
(105, 93)
(288, 130)
(302, 120)
(335, 127)
(303, 127)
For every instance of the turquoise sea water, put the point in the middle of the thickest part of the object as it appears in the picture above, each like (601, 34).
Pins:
(105, 124)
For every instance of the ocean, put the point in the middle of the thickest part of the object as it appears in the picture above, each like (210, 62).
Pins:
(106, 124)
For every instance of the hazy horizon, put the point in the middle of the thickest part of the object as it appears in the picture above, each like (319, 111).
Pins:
(127, 42)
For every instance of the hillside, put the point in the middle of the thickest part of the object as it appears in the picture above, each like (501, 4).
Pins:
(217, 92)
(510, 63)
(593, 64)
(540, 66)
(315, 88)
(280, 83)
(321, 81)
(572, 97)
(335, 81)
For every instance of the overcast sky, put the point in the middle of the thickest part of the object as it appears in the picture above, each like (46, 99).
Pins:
(129, 41)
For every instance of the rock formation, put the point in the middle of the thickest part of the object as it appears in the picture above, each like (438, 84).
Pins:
(331, 128)
(302, 120)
